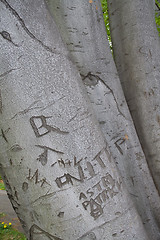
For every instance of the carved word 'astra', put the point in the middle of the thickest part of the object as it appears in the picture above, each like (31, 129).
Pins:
(102, 191)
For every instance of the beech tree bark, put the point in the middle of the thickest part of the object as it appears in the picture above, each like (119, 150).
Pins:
(67, 177)
(95, 63)
(136, 49)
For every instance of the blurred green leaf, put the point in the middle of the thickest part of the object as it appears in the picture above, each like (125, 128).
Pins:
(2, 186)
(106, 20)
(157, 15)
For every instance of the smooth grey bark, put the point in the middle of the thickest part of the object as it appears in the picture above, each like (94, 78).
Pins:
(58, 170)
(83, 31)
(137, 53)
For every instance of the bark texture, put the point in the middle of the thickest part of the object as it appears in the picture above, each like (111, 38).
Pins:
(136, 50)
(82, 29)
(59, 173)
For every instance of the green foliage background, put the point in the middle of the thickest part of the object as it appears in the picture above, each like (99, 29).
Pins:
(157, 16)
(2, 187)
(106, 20)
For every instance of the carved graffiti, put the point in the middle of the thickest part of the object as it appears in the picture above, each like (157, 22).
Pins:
(66, 179)
(43, 157)
(62, 163)
(95, 198)
(41, 128)
(118, 144)
(25, 186)
(98, 158)
(36, 179)
(96, 209)
(90, 169)
(86, 169)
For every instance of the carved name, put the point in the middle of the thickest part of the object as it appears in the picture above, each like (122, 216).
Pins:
(95, 197)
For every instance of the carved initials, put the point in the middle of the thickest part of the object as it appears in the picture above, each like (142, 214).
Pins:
(43, 127)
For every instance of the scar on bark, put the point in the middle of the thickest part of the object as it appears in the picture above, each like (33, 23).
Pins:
(94, 80)
(145, 53)
(7, 36)
(10, 192)
(35, 230)
(90, 235)
(47, 195)
(13, 11)
(73, 118)
(30, 108)
(158, 119)
(3, 135)
(5, 73)
(16, 148)
(0, 102)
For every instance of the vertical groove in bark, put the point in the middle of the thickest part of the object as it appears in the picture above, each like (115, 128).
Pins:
(137, 52)
(86, 40)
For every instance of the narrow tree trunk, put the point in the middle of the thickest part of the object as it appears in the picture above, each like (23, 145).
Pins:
(137, 53)
(60, 177)
(82, 29)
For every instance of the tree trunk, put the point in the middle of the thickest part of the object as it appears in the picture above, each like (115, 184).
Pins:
(89, 49)
(57, 167)
(137, 53)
